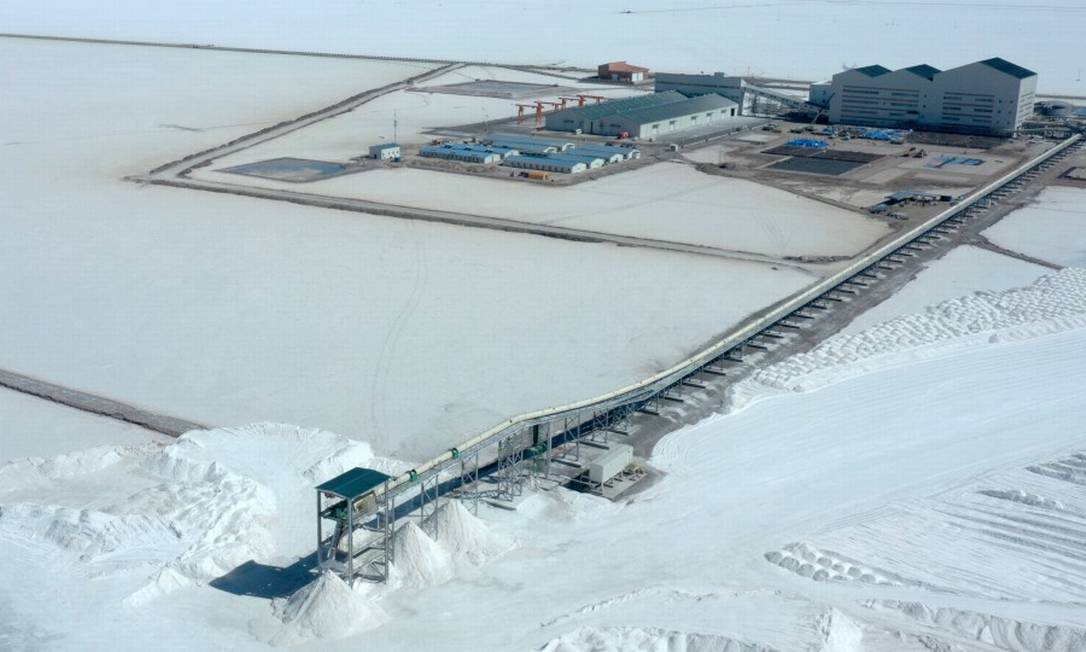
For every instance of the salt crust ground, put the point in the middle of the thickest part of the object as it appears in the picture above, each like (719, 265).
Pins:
(46, 429)
(1052, 229)
(678, 36)
(955, 522)
(668, 201)
(227, 310)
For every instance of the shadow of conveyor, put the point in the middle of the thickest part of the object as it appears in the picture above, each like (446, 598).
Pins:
(268, 582)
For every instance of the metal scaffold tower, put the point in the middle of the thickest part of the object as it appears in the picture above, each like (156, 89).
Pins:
(349, 500)
(509, 475)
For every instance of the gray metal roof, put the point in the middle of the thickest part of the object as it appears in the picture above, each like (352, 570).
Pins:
(924, 70)
(687, 106)
(577, 154)
(1002, 65)
(873, 71)
(625, 105)
(354, 483)
(527, 138)
(600, 150)
(522, 146)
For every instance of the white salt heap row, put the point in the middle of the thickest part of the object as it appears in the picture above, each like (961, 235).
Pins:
(1052, 304)
(463, 541)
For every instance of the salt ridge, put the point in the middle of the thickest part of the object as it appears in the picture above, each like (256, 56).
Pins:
(1053, 304)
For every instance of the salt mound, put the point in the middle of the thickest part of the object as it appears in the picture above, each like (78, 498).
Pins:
(1053, 304)
(419, 561)
(326, 608)
(166, 581)
(650, 639)
(1002, 633)
(186, 513)
(841, 632)
(465, 536)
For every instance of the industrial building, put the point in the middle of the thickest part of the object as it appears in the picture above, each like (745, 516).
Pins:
(646, 116)
(385, 151)
(622, 71)
(993, 96)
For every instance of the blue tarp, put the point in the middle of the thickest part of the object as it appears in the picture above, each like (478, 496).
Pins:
(809, 143)
(885, 134)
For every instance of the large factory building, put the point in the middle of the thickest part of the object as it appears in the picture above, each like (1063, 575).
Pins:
(645, 116)
(992, 96)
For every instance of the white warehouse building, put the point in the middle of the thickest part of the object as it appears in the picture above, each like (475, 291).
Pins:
(993, 96)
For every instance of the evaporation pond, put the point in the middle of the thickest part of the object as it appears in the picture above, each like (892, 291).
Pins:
(296, 170)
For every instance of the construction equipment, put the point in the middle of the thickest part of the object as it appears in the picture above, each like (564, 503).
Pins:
(579, 100)
(538, 108)
(585, 98)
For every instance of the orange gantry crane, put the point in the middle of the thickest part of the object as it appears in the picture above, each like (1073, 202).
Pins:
(538, 106)
(581, 100)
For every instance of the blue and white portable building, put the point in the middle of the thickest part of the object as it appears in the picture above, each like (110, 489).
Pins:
(385, 151)
(463, 153)
(591, 161)
(546, 164)
(607, 153)
(527, 141)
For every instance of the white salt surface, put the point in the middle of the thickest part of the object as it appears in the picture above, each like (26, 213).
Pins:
(32, 427)
(1052, 229)
(676, 36)
(666, 201)
(635, 639)
(961, 271)
(228, 310)
(964, 505)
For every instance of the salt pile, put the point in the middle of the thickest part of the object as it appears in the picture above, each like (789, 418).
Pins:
(326, 608)
(465, 536)
(1052, 304)
(841, 632)
(183, 514)
(418, 560)
(994, 631)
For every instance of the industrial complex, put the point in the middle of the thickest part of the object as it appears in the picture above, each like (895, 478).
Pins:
(580, 134)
